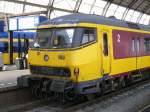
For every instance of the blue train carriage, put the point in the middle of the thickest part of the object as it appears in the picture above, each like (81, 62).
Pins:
(20, 28)
(3, 36)
(1, 61)
(2, 24)
(4, 44)
(21, 43)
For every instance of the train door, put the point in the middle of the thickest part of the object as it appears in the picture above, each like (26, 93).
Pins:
(137, 75)
(136, 49)
(105, 52)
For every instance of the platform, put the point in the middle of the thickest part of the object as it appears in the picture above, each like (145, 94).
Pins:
(9, 67)
(9, 78)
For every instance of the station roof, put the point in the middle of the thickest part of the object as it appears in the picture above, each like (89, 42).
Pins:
(89, 18)
(138, 5)
(137, 11)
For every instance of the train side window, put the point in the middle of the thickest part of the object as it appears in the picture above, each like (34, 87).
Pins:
(5, 47)
(1, 46)
(105, 44)
(138, 45)
(88, 35)
(15, 47)
(133, 45)
(147, 44)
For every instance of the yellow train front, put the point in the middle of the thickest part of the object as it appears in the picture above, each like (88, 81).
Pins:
(72, 55)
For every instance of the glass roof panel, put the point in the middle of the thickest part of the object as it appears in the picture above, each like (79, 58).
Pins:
(135, 16)
(2, 6)
(9, 7)
(41, 2)
(143, 18)
(119, 12)
(65, 4)
(129, 15)
(29, 8)
(56, 13)
(147, 20)
(111, 10)
(98, 7)
(85, 6)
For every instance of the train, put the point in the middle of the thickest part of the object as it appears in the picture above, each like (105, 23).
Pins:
(1, 62)
(17, 47)
(83, 54)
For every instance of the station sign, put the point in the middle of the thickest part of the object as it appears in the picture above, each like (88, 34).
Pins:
(25, 22)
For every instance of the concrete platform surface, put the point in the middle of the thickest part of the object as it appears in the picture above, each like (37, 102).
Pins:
(9, 67)
(9, 78)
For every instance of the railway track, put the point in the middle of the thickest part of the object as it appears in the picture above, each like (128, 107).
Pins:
(14, 99)
(22, 101)
(105, 98)
(12, 96)
(145, 109)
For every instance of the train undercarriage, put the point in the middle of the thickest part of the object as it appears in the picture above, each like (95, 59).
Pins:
(66, 90)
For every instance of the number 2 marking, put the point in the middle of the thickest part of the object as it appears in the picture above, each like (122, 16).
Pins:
(118, 38)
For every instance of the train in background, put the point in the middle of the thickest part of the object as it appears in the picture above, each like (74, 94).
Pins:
(21, 43)
(20, 35)
(1, 61)
(82, 54)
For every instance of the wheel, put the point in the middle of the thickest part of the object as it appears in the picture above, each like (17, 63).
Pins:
(113, 85)
(36, 90)
(70, 95)
(121, 83)
(90, 96)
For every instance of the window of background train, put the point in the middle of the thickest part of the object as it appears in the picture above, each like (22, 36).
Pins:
(5, 46)
(89, 35)
(1, 46)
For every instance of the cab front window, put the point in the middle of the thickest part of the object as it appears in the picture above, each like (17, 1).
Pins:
(88, 35)
(57, 38)
(43, 38)
(63, 38)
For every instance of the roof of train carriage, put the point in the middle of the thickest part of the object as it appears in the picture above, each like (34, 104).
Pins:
(29, 35)
(88, 18)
